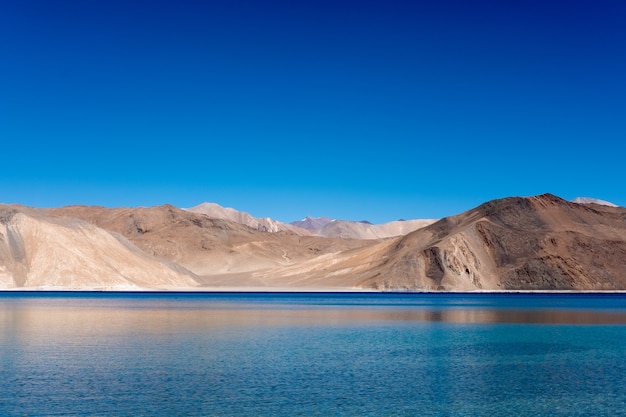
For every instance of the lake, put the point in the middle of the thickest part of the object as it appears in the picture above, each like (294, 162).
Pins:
(212, 354)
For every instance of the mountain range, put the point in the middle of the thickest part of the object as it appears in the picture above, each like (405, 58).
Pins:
(310, 226)
(518, 243)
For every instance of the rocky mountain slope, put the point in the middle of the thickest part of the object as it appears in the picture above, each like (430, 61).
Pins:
(534, 243)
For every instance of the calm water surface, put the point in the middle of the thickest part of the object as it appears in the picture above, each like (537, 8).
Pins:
(93, 354)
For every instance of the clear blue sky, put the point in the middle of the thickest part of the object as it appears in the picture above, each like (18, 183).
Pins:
(373, 110)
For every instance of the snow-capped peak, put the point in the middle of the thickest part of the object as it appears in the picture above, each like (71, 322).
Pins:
(589, 200)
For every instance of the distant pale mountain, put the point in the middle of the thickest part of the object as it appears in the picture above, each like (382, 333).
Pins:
(263, 224)
(317, 226)
(344, 229)
(365, 230)
(312, 223)
(588, 200)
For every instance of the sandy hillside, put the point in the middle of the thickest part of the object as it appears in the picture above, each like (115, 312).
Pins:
(40, 251)
(222, 252)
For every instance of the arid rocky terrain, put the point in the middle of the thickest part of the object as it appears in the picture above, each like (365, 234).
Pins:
(534, 243)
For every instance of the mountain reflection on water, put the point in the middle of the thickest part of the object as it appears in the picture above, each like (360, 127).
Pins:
(251, 355)
(158, 313)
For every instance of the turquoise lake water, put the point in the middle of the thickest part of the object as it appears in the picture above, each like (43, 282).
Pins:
(95, 354)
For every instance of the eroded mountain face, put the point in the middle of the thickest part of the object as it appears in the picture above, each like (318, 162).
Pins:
(535, 243)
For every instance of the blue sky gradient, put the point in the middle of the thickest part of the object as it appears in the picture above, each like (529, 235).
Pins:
(373, 110)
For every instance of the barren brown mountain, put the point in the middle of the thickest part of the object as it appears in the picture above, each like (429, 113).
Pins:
(535, 243)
